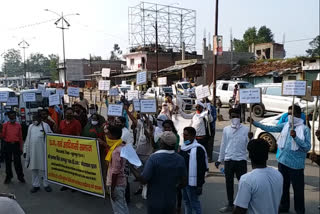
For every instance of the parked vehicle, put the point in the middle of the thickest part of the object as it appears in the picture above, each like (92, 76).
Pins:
(272, 100)
(5, 108)
(272, 137)
(224, 89)
(185, 88)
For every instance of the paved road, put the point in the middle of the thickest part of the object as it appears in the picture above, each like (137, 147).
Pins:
(213, 198)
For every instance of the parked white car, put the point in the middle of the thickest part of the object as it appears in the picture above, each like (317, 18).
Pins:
(272, 137)
(272, 101)
(225, 89)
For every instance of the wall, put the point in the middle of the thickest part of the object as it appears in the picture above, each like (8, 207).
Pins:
(310, 76)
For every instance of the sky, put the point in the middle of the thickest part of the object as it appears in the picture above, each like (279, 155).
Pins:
(102, 23)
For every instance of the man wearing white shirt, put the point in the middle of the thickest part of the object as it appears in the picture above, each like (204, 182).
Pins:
(200, 122)
(233, 151)
(259, 190)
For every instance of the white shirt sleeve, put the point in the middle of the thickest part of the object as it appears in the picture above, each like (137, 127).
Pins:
(223, 146)
(244, 195)
(186, 116)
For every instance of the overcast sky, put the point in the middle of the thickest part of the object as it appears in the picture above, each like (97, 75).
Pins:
(104, 22)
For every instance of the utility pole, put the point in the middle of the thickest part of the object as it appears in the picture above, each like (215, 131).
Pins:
(23, 44)
(215, 56)
(157, 54)
(91, 77)
(5, 70)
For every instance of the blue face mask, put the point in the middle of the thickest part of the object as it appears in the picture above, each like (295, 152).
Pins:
(187, 142)
(12, 121)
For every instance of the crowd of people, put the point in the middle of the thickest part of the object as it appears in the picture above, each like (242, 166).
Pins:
(172, 174)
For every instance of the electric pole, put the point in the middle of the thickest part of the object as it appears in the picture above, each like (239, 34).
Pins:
(215, 56)
(157, 55)
(23, 44)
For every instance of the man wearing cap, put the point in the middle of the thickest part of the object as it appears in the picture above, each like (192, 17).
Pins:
(163, 172)
(201, 120)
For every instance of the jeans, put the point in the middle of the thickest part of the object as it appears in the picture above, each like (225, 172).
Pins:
(211, 144)
(119, 205)
(191, 200)
(13, 149)
(230, 168)
(296, 177)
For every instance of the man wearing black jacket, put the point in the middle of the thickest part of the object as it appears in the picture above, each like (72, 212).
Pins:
(196, 161)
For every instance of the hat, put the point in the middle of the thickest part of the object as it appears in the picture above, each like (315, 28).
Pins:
(198, 102)
(168, 138)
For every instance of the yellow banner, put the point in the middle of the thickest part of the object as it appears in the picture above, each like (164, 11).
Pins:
(74, 162)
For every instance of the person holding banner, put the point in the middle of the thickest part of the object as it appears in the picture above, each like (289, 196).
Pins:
(294, 143)
(13, 144)
(70, 126)
(80, 114)
(116, 178)
(212, 110)
(34, 152)
(44, 114)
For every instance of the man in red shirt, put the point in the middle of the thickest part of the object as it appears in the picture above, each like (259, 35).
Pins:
(70, 126)
(12, 140)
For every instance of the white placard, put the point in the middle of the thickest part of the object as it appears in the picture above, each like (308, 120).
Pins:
(29, 97)
(113, 92)
(54, 99)
(136, 105)
(115, 110)
(12, 101)
(66, 98)
(148, 106)
(4, 95)
(133, 94)
(174, 90)
(45, 93)
(250, 95)
(294, 88)
(105, 72)
(202, 92)
(141, 78)
(73, 92)
(162, 81)
(41, 87)
(206, 91)
(104, 85)
(60, 91)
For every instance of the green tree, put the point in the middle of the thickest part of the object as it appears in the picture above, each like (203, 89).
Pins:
(240, 45)
(250, 36)
(38, 63)
(53, 66)
(315, 47)
(116, 52)
(13, 64)
(264, 35)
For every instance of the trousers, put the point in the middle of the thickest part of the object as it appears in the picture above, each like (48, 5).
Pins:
(12, 150)
(37, 175)
(119, 205)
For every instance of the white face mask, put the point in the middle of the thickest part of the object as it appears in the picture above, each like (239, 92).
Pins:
(35, 123)
(93, 122)
(235, 122)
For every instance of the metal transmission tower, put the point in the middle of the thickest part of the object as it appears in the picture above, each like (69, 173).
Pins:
(174, 26)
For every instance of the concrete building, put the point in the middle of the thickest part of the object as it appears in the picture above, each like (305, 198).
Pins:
(311, 69)
(268, 51)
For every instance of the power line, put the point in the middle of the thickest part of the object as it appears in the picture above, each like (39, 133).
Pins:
(32, 25)
(298, 40)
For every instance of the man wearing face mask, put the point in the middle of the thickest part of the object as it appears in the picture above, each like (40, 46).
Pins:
(293, 145)
(233, 151)
(34, 152)
(196, 161)
(12, 139)
(200, 120)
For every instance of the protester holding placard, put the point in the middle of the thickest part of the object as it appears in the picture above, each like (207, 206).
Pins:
(83, 101)
(44, 114)
(34, 152)
(80, 114)
(293, 144)
(171, 105)
(212, 110)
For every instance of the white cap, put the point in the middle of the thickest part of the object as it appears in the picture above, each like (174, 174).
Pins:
(198, 102)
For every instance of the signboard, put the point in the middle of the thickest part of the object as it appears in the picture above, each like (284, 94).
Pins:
(115, 110)
(148, 106)
(12, 101)
(294, 88)
(4, 95)
(74, 162)
(104, 85)
(54, 99)
(133, 94)
(136, 105)
(217, 45)
(141, 78)
(174, 90)
(29, 97)
(41, 87)
(113, 92)
(162, 81)
(60, 92)
(250, 95)
(315, 89)
(66, 98)
(105, 72)
(73, 92)
(45, 93)
(202, 91)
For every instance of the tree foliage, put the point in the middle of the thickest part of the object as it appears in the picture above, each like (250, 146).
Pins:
(315, 47)
(13, 64)
(252, 36)
(116, 53)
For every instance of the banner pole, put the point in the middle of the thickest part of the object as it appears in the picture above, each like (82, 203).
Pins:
(292, 128)
(250, 112)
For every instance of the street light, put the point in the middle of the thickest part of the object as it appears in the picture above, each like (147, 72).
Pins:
(23, 44)
(62, 27)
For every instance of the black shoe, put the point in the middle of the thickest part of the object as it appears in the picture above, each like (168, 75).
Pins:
(7, 180)
(35, 189)
(138, 192)
(48, 189)
(64, 188)
(22, 180)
